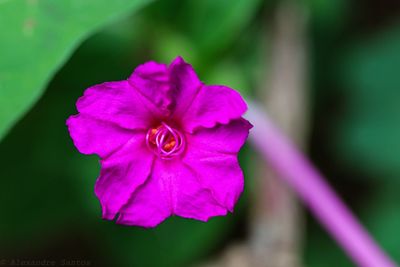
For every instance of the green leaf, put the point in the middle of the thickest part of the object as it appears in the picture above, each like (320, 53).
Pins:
(369, 130)
(177, 241)
(382, 218)
(216, 23)
(36, 39)
(328, 15)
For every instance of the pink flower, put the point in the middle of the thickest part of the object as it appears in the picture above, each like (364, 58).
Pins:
(168, 144)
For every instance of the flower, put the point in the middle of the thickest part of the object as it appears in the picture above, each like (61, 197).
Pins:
(168, 144)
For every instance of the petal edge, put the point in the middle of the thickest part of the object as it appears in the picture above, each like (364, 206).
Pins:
(214, 104)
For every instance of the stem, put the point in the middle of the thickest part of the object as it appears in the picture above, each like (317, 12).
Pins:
(315, 192)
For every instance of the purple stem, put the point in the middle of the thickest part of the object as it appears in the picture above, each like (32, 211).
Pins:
(315, 192)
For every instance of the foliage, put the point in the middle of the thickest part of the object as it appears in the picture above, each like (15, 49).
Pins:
(50, 51)
(36, 38)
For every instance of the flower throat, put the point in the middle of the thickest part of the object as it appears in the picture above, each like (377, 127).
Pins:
(166, 142)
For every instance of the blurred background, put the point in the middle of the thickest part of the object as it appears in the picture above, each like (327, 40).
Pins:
(327, 71)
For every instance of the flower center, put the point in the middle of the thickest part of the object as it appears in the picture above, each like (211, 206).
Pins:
(165, 141)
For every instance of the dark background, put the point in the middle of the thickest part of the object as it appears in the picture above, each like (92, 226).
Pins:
(47, 206)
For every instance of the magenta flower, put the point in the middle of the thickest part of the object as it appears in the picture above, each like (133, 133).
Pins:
(168, 144)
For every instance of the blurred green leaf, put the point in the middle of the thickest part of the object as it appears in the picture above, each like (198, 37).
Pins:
(382, 217)
(229, 74)
(171, 44)
(214, 24)
(37, 37)
(368, 131)
(176, 242)
(321, 250)
(327, 14)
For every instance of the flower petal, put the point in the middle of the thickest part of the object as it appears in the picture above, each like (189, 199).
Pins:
(212, 154)
(93, 136)
(152, 81)
(151, 203)
(117, 102)
(193, 199)
(172, 189)
(212, 105)
(121, 175)
(185, 85)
